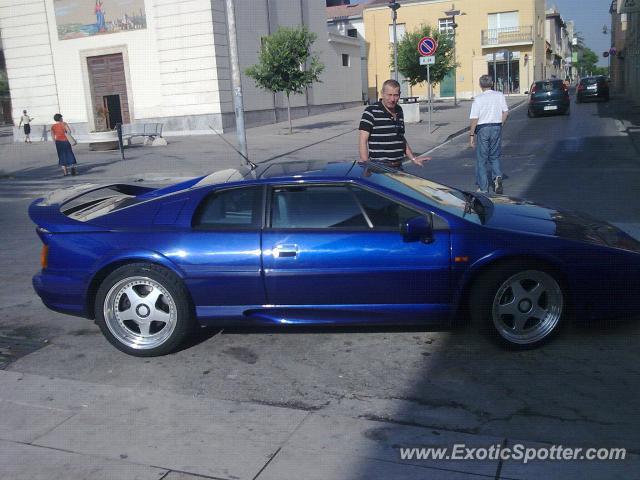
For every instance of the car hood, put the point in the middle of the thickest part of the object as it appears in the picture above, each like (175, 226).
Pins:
(520, 215)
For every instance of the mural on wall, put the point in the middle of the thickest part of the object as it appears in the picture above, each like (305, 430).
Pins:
(84, 18)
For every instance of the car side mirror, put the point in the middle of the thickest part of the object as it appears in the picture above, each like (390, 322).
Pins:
(417, 228)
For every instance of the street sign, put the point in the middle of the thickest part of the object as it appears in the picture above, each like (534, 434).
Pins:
(605, 54)
(613, 51)
(427, 60)
(427, 46)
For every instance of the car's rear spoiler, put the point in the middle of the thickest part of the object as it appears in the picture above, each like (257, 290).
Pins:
(47, 212)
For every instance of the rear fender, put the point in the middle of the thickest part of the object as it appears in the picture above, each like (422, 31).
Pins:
(104, 268)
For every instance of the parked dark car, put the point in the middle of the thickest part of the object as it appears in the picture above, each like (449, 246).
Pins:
(593, 87)
(549, 96)
(324, 244)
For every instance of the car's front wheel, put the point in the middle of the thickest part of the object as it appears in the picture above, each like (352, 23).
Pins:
(520, 305)
(143, 310)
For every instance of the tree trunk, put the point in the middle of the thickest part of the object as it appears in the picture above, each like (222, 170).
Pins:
(289, 114)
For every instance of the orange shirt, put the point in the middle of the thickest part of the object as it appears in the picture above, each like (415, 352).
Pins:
(58, 132)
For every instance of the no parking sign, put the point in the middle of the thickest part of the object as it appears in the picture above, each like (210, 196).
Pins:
(427, 46)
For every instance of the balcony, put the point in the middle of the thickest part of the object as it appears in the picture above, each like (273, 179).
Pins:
(504, 37)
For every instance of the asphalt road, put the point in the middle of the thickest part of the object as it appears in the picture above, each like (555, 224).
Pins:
(582, 389)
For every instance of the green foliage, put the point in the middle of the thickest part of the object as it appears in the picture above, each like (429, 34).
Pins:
(409, 57)
(587, 60)
(286, 63)
(4, 84)
(601, 71)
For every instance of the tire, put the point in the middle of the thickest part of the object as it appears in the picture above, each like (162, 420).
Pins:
(530, 114)
(567, 111)
(144, 310)
(519, 305)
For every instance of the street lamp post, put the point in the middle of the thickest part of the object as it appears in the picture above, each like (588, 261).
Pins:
(394, 6)
(453, 13)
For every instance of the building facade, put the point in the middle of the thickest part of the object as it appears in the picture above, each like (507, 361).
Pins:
(502, 38)
(347, 21)
(625, 39)
(100, 62)
(558, 46)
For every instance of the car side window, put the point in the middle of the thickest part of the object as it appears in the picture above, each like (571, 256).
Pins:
(385, 214)
(322, 206)
(232, 208)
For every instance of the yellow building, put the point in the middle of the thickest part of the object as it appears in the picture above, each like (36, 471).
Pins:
(506, 28)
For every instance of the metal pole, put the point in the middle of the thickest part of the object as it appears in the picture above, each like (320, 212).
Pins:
(455, 69)
(429, 93)
(235, 81)
(394, 15)
(495, 72)
(507, 54)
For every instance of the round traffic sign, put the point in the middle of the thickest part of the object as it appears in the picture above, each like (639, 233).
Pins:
(427, 46)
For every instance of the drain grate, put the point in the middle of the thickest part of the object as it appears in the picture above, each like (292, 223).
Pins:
(11, 349)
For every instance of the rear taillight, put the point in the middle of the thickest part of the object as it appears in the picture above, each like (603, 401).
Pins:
(44, 256)
(581, 86)
(533, 88)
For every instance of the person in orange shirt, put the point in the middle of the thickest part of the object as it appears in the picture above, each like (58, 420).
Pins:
(66, 158)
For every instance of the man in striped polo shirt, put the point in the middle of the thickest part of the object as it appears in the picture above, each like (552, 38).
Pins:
(382, 130)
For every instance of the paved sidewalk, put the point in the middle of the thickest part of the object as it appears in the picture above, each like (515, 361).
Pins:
(52, 428)
(331, 136)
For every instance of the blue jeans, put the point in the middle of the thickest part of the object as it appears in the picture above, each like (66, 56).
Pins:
(488, 151)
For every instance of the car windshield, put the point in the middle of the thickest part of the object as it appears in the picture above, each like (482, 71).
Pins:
(462, 204)
(590, 81)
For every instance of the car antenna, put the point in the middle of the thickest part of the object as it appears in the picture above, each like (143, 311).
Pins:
(252, 165)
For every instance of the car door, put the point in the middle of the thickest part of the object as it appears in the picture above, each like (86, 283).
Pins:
(339, 244)
(220, 256)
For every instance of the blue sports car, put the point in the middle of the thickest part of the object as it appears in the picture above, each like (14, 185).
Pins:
(323, 244)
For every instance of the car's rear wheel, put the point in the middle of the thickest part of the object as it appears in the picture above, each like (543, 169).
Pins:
(143, 310)
(519, 305)
(530, 113)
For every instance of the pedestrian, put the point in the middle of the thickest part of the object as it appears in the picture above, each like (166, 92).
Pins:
(25, 120)
(488, 113)
(66, 158)
(382, 130)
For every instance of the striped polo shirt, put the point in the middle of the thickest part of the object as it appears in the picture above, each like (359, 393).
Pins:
(386, 135)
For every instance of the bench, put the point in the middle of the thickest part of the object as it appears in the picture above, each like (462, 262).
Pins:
(409, 99)
(150, 132)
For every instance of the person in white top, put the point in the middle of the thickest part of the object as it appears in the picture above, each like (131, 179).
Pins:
(488, 113)
(26, 120)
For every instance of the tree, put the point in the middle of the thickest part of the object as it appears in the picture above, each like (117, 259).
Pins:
(409, 57)
(587, 60)
(286, 63)
(4, 84)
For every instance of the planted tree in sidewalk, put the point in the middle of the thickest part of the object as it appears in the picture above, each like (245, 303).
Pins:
(409, 57)
(286, 63)
(4, 84)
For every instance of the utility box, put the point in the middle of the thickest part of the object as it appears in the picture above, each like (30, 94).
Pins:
(411, 112)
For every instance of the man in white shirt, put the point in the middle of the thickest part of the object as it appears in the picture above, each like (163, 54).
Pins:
(26, 121)
(488, 112)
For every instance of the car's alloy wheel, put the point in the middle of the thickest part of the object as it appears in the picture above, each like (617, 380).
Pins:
(524, 307)
(143, 310)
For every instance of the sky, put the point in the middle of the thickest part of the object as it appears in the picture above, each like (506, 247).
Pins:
(589, 17)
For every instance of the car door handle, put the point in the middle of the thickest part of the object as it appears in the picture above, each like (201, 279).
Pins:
(281, 251)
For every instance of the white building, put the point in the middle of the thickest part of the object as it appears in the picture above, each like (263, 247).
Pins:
(347, 21)
(102, 61)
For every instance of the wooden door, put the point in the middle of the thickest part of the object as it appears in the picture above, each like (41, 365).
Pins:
(106, 76)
